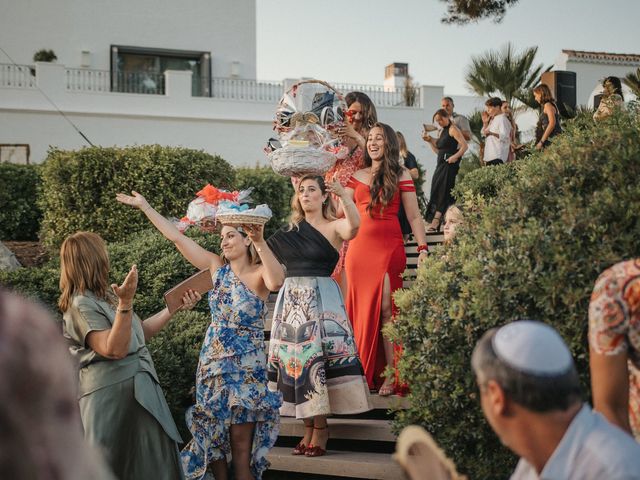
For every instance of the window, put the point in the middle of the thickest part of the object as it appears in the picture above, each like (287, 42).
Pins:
(14, 153)
(141, 70)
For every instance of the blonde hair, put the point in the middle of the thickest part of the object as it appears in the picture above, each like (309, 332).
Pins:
(84, 265)
(297, 213)
(402, 143)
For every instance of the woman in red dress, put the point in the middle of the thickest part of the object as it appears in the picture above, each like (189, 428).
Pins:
(376, 258)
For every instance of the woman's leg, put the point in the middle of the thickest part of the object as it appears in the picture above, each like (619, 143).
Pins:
(320, 432)
(435, 223)
(219, 469)
(306, 440)
(241, 443)
(385, 317)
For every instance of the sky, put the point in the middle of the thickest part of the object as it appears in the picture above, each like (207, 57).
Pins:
(351, 41)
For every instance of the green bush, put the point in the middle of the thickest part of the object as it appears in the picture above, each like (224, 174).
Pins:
(79, 187)
(160, 266)
(270, 188)
(535, 249)
(20, 214)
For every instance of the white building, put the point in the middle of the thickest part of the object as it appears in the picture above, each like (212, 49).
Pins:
(156, 72)
(592, 67)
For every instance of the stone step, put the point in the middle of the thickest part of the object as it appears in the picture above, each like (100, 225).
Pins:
(343, 429)
(379, 466)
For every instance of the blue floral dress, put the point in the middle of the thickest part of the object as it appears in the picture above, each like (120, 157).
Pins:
(231, 381)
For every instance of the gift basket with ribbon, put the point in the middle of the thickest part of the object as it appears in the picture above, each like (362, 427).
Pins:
(213, 207)
(306, 121)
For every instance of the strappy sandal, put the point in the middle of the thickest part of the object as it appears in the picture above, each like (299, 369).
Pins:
(301, 448)
(315, 450)
(386, 389)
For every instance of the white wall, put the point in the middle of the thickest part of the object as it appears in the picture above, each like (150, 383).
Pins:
(589, 75)
(225, 28)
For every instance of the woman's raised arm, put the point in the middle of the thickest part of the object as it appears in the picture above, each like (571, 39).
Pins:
(196, 255)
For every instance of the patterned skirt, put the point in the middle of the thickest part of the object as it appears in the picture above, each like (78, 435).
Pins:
(313, 359)
(230, 390)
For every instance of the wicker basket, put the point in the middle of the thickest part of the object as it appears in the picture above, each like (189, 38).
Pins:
(236, 219)
(296, 162)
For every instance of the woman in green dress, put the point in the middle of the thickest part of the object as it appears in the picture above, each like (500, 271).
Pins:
(122, 406)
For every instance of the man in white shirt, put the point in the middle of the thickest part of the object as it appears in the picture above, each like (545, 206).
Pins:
(496, 128)
(530, 395)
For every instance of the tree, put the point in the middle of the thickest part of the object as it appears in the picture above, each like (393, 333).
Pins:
(462, 12)
(44, 55)
(632, 80)
(506, 73)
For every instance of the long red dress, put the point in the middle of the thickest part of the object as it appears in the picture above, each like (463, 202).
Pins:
(377, 249)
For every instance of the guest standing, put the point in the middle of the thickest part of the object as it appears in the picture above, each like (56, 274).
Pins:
(312, 354)
(614, 344)
(235, 413)
(376, 257)
(450, 147)
(360, 116)
(458, 120)
(612, 98)
(408, 161)
(496, 128)
(548, 125)
(122, 406)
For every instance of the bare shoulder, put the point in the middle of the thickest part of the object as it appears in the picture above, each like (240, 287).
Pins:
(362, 175)
(405, 175)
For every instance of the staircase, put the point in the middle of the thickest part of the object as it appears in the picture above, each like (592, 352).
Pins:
(360, 446)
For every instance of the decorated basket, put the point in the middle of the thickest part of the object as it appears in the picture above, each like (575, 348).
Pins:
(306, 120)
(296, 162)
(235, 219)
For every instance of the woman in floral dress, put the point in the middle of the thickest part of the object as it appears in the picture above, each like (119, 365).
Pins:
(235, 413)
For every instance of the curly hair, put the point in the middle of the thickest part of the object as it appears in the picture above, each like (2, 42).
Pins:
(384, 184)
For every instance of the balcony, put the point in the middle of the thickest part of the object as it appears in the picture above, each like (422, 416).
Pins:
(230, 89)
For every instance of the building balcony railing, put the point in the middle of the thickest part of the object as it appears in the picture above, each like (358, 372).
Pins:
(16, 76)
(233, 89)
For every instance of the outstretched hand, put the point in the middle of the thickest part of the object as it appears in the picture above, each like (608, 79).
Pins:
(127, 290)
(136, 201)
(254, 232)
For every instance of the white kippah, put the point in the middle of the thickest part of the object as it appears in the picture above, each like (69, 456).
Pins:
(532, 347)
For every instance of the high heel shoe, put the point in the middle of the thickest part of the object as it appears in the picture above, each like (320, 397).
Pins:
(301, 448)
(435, 225)
(315, 450)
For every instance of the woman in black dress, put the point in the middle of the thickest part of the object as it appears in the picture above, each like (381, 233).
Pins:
(313, 359)
(450, 147)
(549, 120)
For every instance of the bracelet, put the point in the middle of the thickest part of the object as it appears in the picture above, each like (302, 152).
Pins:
(124, 310)
(423, 248)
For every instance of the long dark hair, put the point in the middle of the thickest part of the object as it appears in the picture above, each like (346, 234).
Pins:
(369, 114)
(385, 182)
(615, 84)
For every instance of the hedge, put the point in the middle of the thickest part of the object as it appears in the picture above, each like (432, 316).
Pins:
(79, 187)
(20, 214)
(160, 265)
(270, 188)
(536, 237)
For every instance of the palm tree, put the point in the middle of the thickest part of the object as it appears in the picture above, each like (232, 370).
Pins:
(632, 80)
(506, 73)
